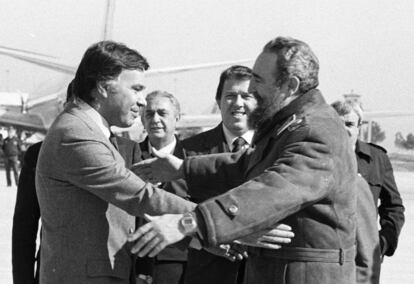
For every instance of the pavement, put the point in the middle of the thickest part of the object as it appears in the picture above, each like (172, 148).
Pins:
(396, 269)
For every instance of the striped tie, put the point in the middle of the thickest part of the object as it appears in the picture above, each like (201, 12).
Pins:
(238, 144)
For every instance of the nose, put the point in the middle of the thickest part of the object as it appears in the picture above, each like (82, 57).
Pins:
(348, 131)
(140, 100)
(156, 117)
(238, 100)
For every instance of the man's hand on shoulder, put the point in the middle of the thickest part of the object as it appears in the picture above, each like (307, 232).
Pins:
(162, 168)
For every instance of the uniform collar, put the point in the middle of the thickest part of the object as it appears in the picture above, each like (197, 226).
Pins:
(363, 148)
(95, 116)
(298, 107)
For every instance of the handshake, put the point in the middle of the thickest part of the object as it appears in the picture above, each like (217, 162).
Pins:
(161, 231)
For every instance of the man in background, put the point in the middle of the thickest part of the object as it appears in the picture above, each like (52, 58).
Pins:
(375, 167)
(160, 117)
(231, 135)
(11, 150)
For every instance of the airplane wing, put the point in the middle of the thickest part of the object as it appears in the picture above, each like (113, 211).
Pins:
(202, 121)
(25, 120)
(370, 115)
(181, 69)
(37, 59)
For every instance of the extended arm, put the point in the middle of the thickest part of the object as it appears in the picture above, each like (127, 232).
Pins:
(104, 175)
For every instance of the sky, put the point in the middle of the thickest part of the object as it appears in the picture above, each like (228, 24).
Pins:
(363, 45)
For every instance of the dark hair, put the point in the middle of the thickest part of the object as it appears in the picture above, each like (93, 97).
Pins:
(294, 58)
(163, 94)
(104, 61)
(236, 72)
(69, 92)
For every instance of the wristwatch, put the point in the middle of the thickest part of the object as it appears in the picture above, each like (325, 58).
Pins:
(188, 224)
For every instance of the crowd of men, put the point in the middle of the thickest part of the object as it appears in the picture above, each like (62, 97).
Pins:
(281, 191)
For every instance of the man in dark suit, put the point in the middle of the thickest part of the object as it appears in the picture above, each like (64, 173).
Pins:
(160, 117)
(25, 259)
(26, 217)
(235, 104)
(301, 171)
(375, 167)
(87, 197)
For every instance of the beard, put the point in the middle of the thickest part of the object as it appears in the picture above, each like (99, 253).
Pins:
(264, 112)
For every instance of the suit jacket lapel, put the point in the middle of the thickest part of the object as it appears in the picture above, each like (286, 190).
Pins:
(145, 154)
(216, 143)
(99, 135)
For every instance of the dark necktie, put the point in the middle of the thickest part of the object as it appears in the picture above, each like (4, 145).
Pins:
(113, 141)
(238, 144)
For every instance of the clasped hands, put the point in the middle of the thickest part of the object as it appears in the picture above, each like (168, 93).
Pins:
(164, 230)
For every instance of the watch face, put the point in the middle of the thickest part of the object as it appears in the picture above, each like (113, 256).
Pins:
(188, 221)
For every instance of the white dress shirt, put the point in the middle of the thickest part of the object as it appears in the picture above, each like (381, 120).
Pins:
(230, 137)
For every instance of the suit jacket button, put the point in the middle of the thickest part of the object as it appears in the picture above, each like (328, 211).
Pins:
(233, 209)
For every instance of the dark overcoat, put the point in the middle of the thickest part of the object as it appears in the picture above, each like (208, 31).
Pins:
(204, 267)
(375, 167)
(301, 172)
(172, 256)
(367, 260)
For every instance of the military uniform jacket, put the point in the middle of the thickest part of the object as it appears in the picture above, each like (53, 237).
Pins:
(87, 198)
(375, 167)
(301, 172)
(368, 257)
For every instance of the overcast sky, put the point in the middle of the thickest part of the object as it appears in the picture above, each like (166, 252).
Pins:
(365, 46)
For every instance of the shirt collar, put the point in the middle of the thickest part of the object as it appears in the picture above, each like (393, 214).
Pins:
(95, 116)
(230, 137)
(169, 149)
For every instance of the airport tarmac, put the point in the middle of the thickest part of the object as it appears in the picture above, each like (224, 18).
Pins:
(397, 269)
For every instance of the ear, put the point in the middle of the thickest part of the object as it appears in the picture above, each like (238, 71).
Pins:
(102, 89)
(294, 83)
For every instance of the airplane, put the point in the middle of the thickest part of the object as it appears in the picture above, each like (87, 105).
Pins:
(37, 114)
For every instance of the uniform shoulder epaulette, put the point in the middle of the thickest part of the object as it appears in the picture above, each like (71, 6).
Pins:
(291, 124)
(378, 146)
